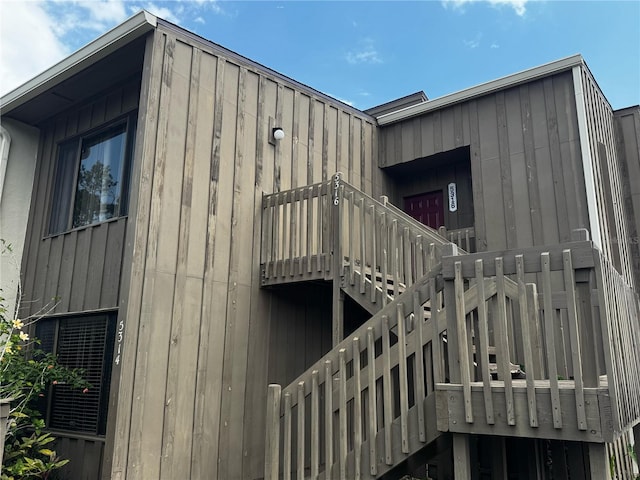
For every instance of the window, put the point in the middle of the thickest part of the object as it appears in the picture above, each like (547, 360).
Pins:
(79, 342)
(92, 176)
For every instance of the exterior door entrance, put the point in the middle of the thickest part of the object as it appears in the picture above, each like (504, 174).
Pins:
(427, 208)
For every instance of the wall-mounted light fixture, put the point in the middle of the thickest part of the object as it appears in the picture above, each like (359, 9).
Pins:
(278, 133)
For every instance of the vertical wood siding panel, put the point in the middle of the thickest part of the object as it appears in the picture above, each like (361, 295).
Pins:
(192, 340)
(211, 346)
(41, 220)
(564, 221)
(311, 139)
(286, 145)
(221, 266)
(332, 141)
(417, 137)
(93, 287)
(113, 107)
(54, 260)
(343, 145)
(98, 114)
(318, 141)
(325, 142)
(368, 156)
(437, 132)
(476, 177)
(491, 174)
(303, 139)
(113, 264)
(572, 173)
(153, 319)
(407, 141)
(522, 213)
(259, 321)
(356, 150)
(426, 132)
(505, 171)
(80, 270)
(163, 303)
(140, 200)
(234, 354)
(544, 167)
(448, 129)
(295, 140)
(178, 412)
(532, 173)
(66, 272)
(72, 123)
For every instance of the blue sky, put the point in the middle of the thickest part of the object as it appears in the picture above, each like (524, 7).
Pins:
(364, 53)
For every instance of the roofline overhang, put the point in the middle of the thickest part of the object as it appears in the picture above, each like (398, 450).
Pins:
(483, 89)
(132, 28)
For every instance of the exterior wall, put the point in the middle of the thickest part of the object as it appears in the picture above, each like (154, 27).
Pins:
(17, 165)
(526, 168)
(607, 176)
(80, 269)
(196, 353)
(627, 124)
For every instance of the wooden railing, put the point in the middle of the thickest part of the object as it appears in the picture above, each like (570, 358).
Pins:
(304, 227)
(572, 325)
(360, 409)
(464, 238)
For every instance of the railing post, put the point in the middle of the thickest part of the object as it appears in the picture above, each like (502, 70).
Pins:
(272, 441)
(451, 249)
(337, 274)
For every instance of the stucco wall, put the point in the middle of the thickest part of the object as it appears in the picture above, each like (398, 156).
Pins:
(14, 200)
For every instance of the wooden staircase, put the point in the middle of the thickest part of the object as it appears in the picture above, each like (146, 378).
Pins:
(446, 332)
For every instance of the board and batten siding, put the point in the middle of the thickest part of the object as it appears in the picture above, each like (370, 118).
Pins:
(627, 123)
(79, 271)
(607, 172)
(526, 171)
(196, 352)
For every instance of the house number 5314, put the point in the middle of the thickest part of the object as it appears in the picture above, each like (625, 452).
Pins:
(119, 338)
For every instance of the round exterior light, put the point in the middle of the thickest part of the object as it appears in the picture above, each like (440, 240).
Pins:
(278, 133)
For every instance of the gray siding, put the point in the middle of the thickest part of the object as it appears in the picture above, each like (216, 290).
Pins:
(196, 352)
(627, 124)
(80, 269)
(608, 184)
(77, 271)
(526, 169)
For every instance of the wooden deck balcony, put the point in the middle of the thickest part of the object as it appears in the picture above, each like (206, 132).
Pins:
(573, 327)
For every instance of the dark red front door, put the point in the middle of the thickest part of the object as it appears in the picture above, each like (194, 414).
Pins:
(427, 208)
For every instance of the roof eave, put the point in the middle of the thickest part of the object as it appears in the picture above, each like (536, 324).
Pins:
(482, 89)
(132, 28)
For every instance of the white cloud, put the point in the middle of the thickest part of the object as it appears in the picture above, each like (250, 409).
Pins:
(519, 6)
(495, 45)
(348, 102)
(34, 35)
(365, 54)
(474, 42)
(28, 43)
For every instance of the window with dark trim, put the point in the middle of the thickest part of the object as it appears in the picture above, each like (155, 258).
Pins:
(91, 182)
(84, 342)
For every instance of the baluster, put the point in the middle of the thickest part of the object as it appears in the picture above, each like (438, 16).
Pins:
(373, 412)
